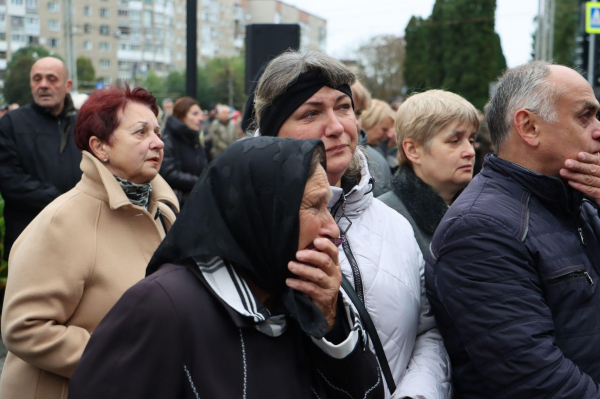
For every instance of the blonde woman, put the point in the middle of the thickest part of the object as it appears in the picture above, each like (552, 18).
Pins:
(435, 132)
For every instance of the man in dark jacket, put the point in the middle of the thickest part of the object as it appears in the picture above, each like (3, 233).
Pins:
(513, 270)
(38, 157)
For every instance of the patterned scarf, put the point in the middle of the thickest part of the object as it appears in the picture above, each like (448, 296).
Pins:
(138, 194)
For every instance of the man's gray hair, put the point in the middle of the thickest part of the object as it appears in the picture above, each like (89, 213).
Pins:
(284, 70)
(525, 87)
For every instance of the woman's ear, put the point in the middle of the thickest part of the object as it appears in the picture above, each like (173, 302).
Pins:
(98, 148)
(412, 150)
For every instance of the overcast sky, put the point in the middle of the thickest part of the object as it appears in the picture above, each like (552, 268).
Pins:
(352, 22)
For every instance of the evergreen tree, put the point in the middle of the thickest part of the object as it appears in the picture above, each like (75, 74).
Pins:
(16, 85)
(461, 52)
(566, 23)
(86, 75)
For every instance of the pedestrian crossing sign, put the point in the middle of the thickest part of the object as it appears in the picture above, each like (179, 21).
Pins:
(592, 17)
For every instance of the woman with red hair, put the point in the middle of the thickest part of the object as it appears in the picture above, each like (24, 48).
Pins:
(84, 250)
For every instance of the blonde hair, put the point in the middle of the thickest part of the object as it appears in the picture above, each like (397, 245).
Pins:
(361, 97)
(423, 115)
(377, 112)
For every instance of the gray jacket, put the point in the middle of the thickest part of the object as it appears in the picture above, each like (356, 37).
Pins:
(417, 202)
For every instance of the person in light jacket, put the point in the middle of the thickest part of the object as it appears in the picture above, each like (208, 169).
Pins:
(308, 95)
(436, 131)
(86, 248)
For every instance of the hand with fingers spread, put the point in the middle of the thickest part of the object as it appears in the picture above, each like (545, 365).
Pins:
(583, 174)
(321, 275)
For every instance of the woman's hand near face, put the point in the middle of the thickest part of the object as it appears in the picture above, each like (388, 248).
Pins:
(323, 276)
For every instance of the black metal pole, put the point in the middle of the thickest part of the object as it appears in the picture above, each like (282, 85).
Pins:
(191, 62)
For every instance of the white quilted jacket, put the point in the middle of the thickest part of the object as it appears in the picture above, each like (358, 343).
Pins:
(392, 271)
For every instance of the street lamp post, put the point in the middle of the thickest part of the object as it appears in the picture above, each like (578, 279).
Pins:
(191, 62)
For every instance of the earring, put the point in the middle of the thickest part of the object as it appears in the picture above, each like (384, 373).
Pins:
(105, 158)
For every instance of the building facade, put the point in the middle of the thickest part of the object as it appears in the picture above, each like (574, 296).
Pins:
(125, 39)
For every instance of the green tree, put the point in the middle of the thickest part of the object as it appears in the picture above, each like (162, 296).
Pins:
(461, 52)
(156, 85)
(16, 85)
(222, 80)
(86, 75)
(36, 52)
(566, 24)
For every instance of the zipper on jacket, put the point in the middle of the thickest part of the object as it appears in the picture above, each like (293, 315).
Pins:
(570, 275)
(581, 235)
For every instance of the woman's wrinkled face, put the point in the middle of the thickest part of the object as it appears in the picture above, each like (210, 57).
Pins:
(193, 118)
(381, 131)
(315, 219)
(328, 116)
(135, 150)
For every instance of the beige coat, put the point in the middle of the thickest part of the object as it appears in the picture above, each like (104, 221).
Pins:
(66, 270)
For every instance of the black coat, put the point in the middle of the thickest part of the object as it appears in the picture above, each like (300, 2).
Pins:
(170, 336)
(184, 158)
(34, 169)
(513, 277)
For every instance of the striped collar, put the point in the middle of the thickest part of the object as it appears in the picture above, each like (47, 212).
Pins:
(234, 291)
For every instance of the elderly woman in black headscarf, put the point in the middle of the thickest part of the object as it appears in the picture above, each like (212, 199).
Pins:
(242, 298)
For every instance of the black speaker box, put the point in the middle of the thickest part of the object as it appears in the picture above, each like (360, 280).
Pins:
(265, 42)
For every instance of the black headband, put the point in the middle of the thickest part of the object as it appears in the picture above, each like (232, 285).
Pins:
(285, 104)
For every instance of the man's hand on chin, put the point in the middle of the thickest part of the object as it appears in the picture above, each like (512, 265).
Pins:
(583, 174)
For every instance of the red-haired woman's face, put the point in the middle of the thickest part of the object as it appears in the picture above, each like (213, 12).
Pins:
(135, 151)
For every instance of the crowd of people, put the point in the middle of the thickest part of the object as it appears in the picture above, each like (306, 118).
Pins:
(335, 246)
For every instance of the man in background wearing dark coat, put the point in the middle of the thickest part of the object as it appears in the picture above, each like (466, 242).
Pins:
(513, 271)
(38, 157)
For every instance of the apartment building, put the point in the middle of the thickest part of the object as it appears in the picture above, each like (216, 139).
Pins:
(313, 30)
(125, 39)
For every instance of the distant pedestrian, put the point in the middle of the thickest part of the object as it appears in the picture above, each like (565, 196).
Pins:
(185, 158)
(85, 249)
(166, 111)
(38, 157)
(222, 131)
(378, 165)
(378, 122)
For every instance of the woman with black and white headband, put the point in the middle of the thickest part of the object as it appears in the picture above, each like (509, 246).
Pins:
(242, 298)
(307, 96)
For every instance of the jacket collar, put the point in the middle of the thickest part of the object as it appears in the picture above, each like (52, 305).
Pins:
(68, 109)
(359, 197)
(99, 182)
(424, 204)
(550, 191)
(178, 129)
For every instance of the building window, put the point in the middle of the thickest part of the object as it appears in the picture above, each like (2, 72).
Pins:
(147, 18)
(87, 45)
(17, 22)
(124, 65)
(105, 47)
(135, 16)
(53, 6)
(148, 1)
(104, 12)
(123, 13)
(105, 30)
(34, 40)
(2, 17)
(104, 63)
(3, 36)
(136, 31)
(122, 46)
(32, 22)
(16, 2)
(54, 43)
(87, 11)
(53, 25)
(17, 38)
(135, 47)
(31, 3)
(87, 28)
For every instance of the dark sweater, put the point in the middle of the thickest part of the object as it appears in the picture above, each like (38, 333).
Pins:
(171, 337)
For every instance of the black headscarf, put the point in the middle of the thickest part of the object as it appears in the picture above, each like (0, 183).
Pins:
(284, 105)
(245, 209)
